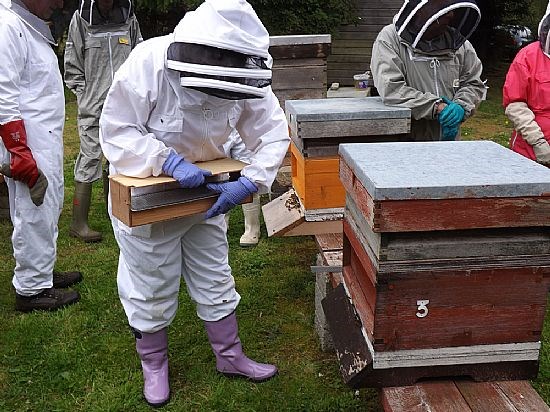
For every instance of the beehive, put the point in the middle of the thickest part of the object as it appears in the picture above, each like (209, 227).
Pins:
(299, 66)
(446, 263)
(318, 126)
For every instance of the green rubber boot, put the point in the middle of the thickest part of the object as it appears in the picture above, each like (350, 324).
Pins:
(106, 188)
(81, 207)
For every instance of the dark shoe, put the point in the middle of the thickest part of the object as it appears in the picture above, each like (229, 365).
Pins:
(62, 280)
(49, 299)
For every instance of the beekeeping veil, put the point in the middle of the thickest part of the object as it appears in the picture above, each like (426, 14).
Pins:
(544, 28)
(432, 26)
(122, 11)
(221, 49)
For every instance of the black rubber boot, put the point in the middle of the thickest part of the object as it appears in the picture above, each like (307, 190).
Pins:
(49, 299)
(63, 280)
(81, 207)
(4, 201)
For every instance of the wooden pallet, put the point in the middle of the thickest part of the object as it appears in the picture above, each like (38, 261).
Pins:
(463, 396)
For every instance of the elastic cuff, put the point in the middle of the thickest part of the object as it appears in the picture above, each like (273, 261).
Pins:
(171, 162)
(252, 188)
(434, 108)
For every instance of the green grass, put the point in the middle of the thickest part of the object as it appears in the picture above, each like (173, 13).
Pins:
(83, 358)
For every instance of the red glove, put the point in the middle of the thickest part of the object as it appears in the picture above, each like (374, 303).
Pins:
(23, 166)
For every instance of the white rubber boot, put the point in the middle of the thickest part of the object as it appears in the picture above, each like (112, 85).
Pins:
(251, 211)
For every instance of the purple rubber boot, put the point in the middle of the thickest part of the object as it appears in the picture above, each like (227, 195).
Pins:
(230, 359)
(152, 349)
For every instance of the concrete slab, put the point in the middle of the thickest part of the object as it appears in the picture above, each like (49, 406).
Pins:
(362, 108)
(442, 170)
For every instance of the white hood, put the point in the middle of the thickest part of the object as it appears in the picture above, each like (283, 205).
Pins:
(225, 24)
(543, 31)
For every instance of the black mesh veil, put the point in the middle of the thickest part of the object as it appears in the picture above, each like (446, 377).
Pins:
(220, 72)
(437, 25)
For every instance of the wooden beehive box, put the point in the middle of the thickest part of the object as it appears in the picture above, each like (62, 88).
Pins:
(446, 263)
(299, 66)
(318, 126)
(140, 201)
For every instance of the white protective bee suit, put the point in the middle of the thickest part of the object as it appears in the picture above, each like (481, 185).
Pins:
(31, 90)
(146, 115)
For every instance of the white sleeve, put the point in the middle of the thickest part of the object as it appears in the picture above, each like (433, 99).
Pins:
(124, 138)
(13, 52)
(264, 131)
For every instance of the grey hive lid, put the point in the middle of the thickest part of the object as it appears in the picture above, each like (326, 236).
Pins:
(359, 108)
(443, 170)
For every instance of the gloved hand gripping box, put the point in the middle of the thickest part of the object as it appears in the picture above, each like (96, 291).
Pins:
(139, 201)
(446, 263)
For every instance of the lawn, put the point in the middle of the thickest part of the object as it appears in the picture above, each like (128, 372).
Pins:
(83, 358)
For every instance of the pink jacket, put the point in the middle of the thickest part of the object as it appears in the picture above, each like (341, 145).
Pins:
(528, 80)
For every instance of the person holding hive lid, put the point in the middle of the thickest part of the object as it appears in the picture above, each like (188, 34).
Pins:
(525, 92)
(424, 61)
(174, 102)
(101, 35)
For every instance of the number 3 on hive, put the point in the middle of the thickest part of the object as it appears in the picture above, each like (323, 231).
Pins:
(422, 308)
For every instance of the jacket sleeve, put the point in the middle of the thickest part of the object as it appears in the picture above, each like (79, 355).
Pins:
(472, 89)
(125, 140)
(524, 122)
(264, 131)
(74, 75)
(389, 75)
(13, 54)
(523, 119)
(136, 33)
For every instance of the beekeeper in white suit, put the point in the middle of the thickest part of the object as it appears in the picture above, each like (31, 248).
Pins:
(174, 102)
(31, 132)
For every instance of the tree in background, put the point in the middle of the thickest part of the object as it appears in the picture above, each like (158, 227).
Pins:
(488, 42)
(157, 17)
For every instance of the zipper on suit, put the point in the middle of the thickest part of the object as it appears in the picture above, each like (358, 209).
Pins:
(434, 65)
(206, 115)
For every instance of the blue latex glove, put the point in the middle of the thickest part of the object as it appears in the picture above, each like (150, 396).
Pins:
(452, 115)
(187, 174)
(231, 194)
(449, 132)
